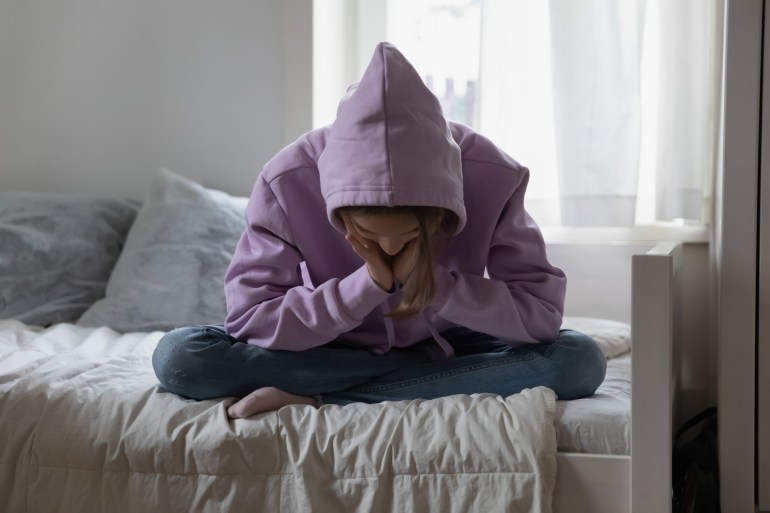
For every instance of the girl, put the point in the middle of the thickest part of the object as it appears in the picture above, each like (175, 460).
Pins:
(360, 275)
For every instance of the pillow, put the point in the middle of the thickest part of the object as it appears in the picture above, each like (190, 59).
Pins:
(57, 253)
(171, 271)
(613, 337)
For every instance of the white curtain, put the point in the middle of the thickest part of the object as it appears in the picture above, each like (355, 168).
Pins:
(688, 107)
(610, 103)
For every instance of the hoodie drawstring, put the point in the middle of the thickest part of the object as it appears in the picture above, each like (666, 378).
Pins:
(389, 328)
(444, 350)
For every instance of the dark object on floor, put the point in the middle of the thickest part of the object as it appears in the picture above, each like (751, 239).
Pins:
(696, 466)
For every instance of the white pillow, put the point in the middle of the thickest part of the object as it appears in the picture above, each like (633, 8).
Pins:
(613, 337)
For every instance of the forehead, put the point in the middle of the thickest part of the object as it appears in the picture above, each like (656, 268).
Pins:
(386, 224)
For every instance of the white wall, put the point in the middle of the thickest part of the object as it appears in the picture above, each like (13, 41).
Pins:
(95, 95)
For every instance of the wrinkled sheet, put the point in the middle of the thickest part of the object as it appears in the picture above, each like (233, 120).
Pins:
(600, 424)
(84, 427)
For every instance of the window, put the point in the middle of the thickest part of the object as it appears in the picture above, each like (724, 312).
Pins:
(611, 104)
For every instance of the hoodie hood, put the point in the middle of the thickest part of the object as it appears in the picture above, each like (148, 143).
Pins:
(390, 144)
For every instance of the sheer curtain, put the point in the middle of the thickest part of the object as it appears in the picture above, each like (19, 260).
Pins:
(610, 103)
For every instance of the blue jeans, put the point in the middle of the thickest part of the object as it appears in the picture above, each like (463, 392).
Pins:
(204, 362)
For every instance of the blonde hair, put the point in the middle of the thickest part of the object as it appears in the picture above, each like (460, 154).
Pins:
(421, 286)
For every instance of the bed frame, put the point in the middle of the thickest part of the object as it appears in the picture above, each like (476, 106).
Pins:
(640, 483)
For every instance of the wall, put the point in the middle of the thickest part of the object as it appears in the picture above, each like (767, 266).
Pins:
(697, 389)
(96, 95)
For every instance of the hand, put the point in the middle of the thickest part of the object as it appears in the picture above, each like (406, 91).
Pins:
(376, 262)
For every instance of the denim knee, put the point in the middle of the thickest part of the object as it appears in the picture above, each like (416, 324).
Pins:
(584, 367)
(171, 358)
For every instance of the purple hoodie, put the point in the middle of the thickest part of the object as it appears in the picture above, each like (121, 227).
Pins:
(294, 281)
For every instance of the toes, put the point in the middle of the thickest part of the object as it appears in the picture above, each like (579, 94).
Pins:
(234, 412)
(265, 399)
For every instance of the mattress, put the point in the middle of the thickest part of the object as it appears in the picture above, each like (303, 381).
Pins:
(600, 424)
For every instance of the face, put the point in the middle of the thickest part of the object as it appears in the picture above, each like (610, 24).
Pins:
(390, 231)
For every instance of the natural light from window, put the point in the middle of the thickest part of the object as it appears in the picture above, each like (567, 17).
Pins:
(613, 114)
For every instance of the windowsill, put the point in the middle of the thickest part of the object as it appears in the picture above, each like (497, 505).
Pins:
(612, 235)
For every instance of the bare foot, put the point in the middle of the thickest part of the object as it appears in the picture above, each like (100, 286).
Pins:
(266, 399)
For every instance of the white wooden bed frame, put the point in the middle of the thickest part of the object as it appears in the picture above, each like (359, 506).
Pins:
(640, 483)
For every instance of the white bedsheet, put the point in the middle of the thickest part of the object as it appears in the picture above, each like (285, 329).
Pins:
(83, 427)
(600, 424)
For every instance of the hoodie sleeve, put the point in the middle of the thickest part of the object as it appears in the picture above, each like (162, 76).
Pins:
(523, 299)
(267, 302)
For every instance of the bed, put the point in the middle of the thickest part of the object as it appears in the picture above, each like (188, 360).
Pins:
(84, 426)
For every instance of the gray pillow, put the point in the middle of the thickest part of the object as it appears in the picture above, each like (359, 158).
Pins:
(57, 252)
(171, 271)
